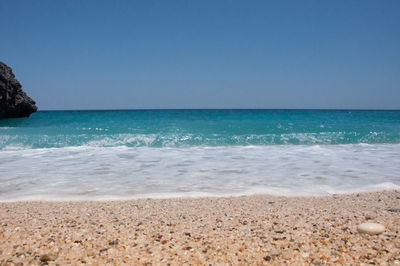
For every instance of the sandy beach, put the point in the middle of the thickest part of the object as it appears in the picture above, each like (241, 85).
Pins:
(258, 229)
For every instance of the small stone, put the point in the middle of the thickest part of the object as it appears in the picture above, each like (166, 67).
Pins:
(275, 253)
(276, 238)
(393, 210)
(305, 254)
(369, 216)
(316, 262)
(287, 256)
(48, 257)
(20, 255)
(371, 228)
(113, 243)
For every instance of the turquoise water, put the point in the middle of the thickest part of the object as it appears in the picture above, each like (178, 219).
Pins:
(97, 155)
(177, 128)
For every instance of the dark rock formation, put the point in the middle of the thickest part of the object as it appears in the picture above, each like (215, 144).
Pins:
(13, 100)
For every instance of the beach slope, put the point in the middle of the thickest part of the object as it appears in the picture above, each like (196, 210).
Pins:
(257, 229)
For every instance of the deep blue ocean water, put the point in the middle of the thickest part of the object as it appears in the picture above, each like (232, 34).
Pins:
(163, 153)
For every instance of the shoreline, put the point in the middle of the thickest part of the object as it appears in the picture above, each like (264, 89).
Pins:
(122, 173)
(205, 195)
(256, 229)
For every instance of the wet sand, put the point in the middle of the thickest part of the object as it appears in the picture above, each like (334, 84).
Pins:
(259, 229)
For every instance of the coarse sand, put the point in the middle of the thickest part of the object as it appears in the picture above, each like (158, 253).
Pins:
(257, 230)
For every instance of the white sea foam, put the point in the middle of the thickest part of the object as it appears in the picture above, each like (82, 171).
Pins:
(100, 173)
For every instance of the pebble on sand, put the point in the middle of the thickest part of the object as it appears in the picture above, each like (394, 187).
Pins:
(48, 257)
(370, 228)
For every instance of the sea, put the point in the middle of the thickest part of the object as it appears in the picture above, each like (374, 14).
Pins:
(126, 154)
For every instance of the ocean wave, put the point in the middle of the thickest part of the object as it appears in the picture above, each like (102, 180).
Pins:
(182, 128)
(192, 139)
(87, 172)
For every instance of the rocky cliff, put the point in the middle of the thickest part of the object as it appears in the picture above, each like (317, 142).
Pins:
(13, 100)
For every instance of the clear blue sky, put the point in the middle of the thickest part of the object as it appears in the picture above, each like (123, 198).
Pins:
(204, 54)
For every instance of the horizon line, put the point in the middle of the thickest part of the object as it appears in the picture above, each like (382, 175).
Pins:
(216, 109)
